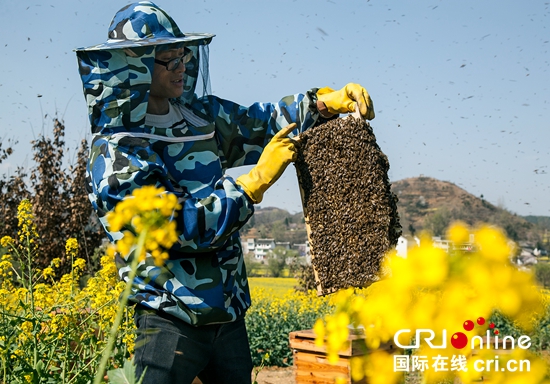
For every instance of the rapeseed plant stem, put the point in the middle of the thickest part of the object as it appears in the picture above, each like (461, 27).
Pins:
(28, 233)
(121, 307)
(146, 214)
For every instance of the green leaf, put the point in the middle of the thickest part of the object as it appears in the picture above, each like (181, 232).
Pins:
(125, 375)
(142, 376)
(40, 368)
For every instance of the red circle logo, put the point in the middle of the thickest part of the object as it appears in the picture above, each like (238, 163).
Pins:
(459, 340)
(468, 325)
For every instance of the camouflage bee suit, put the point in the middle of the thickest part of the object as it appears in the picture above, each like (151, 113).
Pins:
(204, 281)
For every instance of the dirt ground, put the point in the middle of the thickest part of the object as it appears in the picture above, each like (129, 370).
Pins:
(276, 375)
(271, 375)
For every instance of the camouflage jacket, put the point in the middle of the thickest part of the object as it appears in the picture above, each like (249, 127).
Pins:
(204, 281)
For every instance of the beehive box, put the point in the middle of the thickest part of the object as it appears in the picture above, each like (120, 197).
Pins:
(350, 212)
(311, 362)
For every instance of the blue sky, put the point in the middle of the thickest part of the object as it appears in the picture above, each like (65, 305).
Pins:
(460, 88)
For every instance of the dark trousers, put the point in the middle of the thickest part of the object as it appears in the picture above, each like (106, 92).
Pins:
(175, 352)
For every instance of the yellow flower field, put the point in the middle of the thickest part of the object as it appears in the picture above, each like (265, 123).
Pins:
(54, 330)
(278, 286)
(57, 330)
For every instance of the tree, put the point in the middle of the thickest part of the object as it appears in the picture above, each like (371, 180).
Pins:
(59, 198)
(276, 260)
(278, 231)
(249, 224)
(542, 274)
(438, 222)
(12, 191)
(249, 264)
(412, 229)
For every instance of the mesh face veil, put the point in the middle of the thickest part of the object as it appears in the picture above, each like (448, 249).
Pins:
(197, 75)
(117, 74)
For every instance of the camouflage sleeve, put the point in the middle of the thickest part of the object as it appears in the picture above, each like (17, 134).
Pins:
(204, 224)
(243, 132)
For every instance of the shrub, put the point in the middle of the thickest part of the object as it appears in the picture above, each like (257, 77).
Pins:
(270, 320)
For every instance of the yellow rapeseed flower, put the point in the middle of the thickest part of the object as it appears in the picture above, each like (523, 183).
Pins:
(71, 247)
(147, 211)
(56, 262)
(319, 329)
(458, 233)
(79, 264)
(379, 368)
(493, 243)
(431, 289)
(27, 230)
(6, 241)
(48, 272)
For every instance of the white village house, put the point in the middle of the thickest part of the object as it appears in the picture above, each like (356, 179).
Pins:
(261, 247)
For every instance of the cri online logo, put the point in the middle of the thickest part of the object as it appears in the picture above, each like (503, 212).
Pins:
(459, 340)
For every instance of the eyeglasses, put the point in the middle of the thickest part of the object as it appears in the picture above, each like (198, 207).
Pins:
(171, 65)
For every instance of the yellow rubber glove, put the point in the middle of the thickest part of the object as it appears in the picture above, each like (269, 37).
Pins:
(345, 100)
(276, 156)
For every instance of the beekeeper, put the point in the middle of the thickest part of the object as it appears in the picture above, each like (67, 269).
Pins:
(154, 123)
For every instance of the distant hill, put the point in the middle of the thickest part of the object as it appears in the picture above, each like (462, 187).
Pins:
(424, 203)
(431, 204)
(541, 221)
(277, 224)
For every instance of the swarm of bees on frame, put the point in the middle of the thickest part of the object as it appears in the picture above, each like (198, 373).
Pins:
(348, 203)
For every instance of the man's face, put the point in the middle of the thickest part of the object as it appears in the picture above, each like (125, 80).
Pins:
(167, 84)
